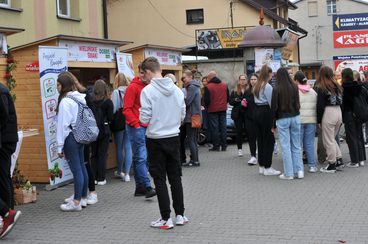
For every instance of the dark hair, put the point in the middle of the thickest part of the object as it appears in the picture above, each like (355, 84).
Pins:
(286, 89)
(347, 75)
(263, 79)
(300, 77)
(100, 91)
(67, 82)
(151, 64)
(326, 81)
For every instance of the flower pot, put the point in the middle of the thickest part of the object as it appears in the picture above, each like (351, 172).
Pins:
(23, 196)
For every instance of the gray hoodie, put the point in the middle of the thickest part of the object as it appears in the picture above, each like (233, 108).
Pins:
(116, 100)
(162, 108)
(192, 100)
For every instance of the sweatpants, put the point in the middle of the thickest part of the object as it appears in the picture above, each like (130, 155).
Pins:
(331, 122)
(99, 157)
(164, 160)
(355, 141)
(265, 137)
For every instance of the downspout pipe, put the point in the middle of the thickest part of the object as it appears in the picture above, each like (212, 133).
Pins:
(104, 14)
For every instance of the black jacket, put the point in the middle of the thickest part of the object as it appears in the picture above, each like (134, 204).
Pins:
(8, 117)
(351, 90)
(279, 107)
(238, 110)
(103, 111)
(325, 99)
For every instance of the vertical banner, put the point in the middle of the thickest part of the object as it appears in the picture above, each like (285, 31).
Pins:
(125, 64)
(52, 61)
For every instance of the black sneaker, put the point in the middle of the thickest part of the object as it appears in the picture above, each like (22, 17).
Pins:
(330, 168)
(188, 164)
(223, 149)
(150, 192)
(214, 149)
(339, 164)
(196, 164)
(140, 192)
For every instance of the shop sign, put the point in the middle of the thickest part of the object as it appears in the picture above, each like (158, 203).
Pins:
(343, 22)
(33, 67)
(52, 61)
(89, 52)
(348, 39)
(220, 38)
(291, 40)
(163, 56)
(355, 62)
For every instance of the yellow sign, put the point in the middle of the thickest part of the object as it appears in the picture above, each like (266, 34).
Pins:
(219, 38)
(337, 22)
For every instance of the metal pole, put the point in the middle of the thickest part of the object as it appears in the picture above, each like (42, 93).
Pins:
(231, 14)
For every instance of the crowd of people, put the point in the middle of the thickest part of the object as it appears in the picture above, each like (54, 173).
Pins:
(153, 122)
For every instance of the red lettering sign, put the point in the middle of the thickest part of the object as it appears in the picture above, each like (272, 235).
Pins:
(33, 67)
(347, 39)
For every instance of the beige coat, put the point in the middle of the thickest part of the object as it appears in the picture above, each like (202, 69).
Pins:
(308, 107)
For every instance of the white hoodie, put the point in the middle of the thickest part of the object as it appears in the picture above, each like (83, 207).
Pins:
(162, 108)
(67, 116)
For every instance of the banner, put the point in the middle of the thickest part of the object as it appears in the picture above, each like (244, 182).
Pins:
(125, 64)
(267, 56)
(343, 22)
(52, 61)
(348, 39)
(219, 38)
(163, 56)
(291, 40)
(355, 62)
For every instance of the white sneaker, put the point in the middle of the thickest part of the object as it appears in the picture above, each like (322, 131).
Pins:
(181, 220)
(300, 174)
(70, 207)
(101, 183)
(252, 161)
(283, 177)
(240, 153)
(352, 165)
(126, 178)
(71, 198)
(361, 163)
(261, 170)
(312, 169)
(92, 199)
(83, 202)
(95, 182)
(163, 224)
(121, 175)
(271, 171)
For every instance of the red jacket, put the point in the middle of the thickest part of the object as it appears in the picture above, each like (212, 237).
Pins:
(132, 102)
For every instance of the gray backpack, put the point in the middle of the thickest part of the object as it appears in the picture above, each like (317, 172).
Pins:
(85, 130)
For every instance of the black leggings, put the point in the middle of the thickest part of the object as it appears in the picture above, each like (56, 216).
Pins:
(87, 162)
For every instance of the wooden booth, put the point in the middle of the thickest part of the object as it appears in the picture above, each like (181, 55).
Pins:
(169, 58)
(85, 62)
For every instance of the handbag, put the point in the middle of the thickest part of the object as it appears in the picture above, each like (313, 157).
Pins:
(196, 121)
(118, 120)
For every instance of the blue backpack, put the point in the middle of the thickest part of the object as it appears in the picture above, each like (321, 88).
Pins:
(85, 130)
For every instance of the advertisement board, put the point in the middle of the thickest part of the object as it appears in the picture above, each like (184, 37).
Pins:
(355, 62)
(343, 22)
(164, 57)
(349, 39)
(219, 38)
(125, 64)
(52, 61)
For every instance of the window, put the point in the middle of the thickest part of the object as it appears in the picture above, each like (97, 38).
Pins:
(312, 9)
(5, 3)
(331, 7)
(195, 16)
(63, 7)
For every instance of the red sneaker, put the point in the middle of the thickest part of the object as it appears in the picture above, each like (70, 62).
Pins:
(9, 222)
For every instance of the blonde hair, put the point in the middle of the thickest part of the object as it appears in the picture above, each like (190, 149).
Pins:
(172, 77)
(121, 80)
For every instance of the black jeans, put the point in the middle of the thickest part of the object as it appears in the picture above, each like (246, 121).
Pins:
(183, 137)
(355, 141)
(265, 137)
(217, 123)
(240, 129)
(251, 132)
(192, 134)
(4, 209)
(99, 157)
(6, 184)
(163, 155)
(87, 162)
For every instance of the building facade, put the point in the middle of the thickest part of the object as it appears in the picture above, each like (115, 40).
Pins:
(317, 18)
(42, 19)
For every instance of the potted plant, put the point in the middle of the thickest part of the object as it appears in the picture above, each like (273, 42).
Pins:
(24, 191)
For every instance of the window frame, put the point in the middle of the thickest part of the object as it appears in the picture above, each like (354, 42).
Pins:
(310, 4)
(6, 5)
(188, 11)
(68, 15)
(330, 7)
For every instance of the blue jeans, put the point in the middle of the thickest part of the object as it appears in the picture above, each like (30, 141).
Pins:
(307, 135)
(217, 122)
(74, 153)
(289, 137)
(122, 143)
(138, 139)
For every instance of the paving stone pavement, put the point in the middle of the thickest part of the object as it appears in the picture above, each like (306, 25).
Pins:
(226, 202)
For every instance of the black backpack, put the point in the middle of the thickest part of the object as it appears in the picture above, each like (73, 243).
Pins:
(118, 120)
(360, 105)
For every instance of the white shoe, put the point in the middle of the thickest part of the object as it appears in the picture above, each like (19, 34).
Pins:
(70, 207)
(261, 170)
(92, 199)
(101, 183)
(352, 165)
(162, 224)
(312, 169)
(240, 153)
(300, 174)
(71, 198)
(121, 175)
(283, 177)
(83, 202)
(95, 182)
(181, 220)
(252, 161)
(126, 178)
(361, 163)
(271, 171)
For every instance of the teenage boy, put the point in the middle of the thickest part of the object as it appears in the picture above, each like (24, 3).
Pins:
(163, 110)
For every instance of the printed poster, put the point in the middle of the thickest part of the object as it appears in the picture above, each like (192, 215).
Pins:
(125, 64)
(264, 56)
(52, 61)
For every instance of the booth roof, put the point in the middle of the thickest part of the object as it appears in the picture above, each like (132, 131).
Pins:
(9, 31)
(177, 49)
(74, 38)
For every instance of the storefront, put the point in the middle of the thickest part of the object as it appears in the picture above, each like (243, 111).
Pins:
(88, 59)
